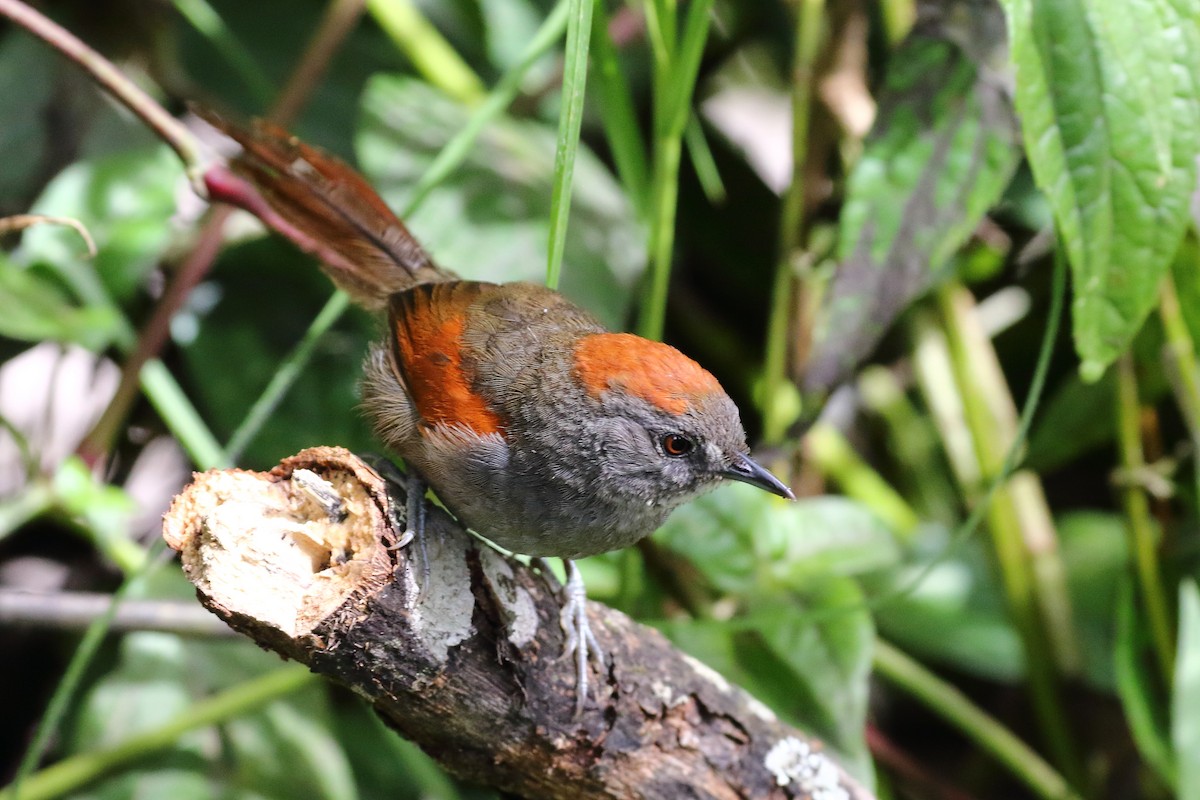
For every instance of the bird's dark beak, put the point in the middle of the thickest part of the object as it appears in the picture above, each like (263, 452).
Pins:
(747, 470)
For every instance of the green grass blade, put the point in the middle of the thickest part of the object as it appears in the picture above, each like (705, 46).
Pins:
(575, 69)
(177, 411)
(703, 161)
(687, 63)
(619, 117)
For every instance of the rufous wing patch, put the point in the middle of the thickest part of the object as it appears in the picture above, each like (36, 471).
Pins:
(427, 329)
(653, 371)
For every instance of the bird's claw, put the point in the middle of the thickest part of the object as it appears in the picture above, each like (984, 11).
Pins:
(579, 639)
(413, 518)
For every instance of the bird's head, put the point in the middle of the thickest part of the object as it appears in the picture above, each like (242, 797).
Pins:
(667, 430)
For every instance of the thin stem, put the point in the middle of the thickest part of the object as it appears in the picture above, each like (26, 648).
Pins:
(76, 772)
(1033, 400)
(112, 80)
(153, 337)
(676, 65)
(945, 700)
(184, 422)
(574, 86)
(1142, 540)
(501, 96)
(702, 161)
(913, 443)
(791, 227)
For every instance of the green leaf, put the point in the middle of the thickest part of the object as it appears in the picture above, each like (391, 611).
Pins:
(940, 155)
(744, 539)
(489, 219)
(102, 510)
(807, 655)
(1185, 705)
(955, 615)
(126, 201)
(1144, 711)
(283, 751)
(1110, 110)
(574, 85)
(826, 641)
(33, 308)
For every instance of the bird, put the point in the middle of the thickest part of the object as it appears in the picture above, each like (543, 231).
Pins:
(536, 427)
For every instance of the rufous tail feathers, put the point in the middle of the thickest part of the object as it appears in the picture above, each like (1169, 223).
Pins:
(324, 207)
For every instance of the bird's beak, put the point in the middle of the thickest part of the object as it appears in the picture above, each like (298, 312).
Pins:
(747, 470)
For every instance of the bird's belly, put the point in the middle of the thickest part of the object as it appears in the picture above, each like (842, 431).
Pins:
(547, 526)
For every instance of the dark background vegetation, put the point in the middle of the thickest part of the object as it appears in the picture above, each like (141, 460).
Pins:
(960, 593)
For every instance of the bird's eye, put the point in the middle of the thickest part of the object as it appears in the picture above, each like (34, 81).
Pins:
(676, 444)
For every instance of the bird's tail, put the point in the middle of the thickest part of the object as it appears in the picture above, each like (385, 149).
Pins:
(324, 207)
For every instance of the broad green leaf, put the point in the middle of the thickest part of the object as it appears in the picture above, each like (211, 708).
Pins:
(825, 640)
(954, 615)
(820, 536)
(490, 219)
(1109, 100)
(744, 539)
(34, 308)
(104, 511)
(1144, 711)
(284, 750)
(806, 655)
(126, 201)
(1185, 705)
(943, 148)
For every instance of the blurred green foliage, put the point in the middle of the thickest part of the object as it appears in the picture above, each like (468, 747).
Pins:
(920, 178)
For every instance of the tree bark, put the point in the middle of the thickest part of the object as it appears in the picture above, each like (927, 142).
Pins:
(300, 559)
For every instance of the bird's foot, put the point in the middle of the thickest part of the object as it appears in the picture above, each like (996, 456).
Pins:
(580, 640)
(412, 520)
